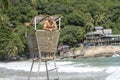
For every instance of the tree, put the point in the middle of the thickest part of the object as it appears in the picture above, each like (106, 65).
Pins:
(5, 37)
(34, 3)
(89, 22)
(56, 8)
(10, 42)
(4, 20)
(75, 19)
(100, 19)
(4, 4)
(71, 35)
(113, 19)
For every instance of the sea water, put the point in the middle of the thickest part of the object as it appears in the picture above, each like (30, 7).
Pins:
(104, 68)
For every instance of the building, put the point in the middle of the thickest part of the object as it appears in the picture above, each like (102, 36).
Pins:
(101, 37)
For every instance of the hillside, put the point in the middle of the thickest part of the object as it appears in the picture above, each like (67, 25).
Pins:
(79, 17)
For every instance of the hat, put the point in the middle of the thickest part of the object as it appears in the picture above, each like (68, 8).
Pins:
(50, 18)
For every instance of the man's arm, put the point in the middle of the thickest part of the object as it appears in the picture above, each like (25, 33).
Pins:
(45, 26)
(55, 26)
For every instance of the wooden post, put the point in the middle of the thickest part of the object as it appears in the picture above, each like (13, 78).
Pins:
(39, 68)
(31, 70)
(47, 70)
(56, 69)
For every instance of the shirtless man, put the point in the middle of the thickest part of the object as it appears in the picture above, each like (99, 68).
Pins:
(50, 24)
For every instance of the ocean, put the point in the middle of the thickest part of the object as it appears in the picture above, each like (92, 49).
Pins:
(102, 68)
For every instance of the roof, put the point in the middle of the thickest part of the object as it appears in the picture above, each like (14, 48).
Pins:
(107, 31)
(41, 18)
(95, 32)
(112, 35)
(98, 28)
(63, 47)
(102, 32)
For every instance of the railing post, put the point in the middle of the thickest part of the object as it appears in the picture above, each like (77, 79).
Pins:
(35, 22)
(59, 23)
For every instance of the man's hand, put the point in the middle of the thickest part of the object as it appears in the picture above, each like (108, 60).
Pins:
(51, 29)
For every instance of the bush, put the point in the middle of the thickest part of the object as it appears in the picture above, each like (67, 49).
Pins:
(71, 35)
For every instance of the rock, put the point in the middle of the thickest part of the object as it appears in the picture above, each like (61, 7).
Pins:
(101, 51)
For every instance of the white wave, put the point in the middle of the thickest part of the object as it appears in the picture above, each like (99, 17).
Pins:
(115, 55)
(6, 79)
(80, 69)
(114, 73)
(62, 67)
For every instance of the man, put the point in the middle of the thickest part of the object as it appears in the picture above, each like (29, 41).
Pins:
(50, 24)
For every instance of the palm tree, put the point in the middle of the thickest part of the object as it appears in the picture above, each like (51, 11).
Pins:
(100, 18)
(15, 46)
(34, 3)
(4, 20)
(89, 22)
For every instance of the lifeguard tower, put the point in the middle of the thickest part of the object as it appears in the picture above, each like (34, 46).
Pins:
(44, 45)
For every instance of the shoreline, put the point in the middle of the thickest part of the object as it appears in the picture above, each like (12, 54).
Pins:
(88, 52)
(105, 51)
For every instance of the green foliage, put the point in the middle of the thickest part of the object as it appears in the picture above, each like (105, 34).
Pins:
(21, 13)
(4, 20)
(41, 5)
(55, 8)
(81, 16)
(15, 45)
(75, 19)
(5, 37)
(4, 4)
(71, 35)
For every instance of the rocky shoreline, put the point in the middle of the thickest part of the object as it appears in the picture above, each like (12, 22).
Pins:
(99, 51)
(82, 52)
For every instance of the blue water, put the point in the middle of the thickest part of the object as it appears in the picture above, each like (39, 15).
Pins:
(104, 68)
(102, 61)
